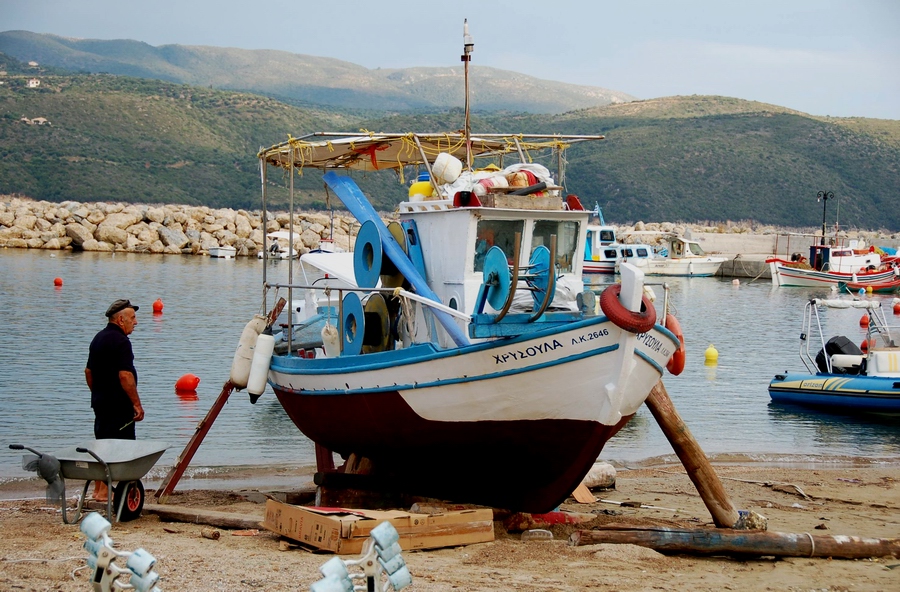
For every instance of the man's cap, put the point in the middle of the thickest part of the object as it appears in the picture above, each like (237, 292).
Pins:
(119, 305)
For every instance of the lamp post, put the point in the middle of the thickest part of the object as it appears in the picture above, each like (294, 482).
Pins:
(824, 196)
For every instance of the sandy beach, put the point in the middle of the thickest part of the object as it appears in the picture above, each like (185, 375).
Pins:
(854, 497)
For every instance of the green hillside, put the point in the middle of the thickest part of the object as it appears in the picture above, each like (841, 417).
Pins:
(719, 158)
(136, 140)
(679, 158)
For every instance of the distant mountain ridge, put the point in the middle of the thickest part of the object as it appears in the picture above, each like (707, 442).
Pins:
(300, 79)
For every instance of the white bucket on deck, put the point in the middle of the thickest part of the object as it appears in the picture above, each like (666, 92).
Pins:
(259, 369)
(446, 167)
(243, 357)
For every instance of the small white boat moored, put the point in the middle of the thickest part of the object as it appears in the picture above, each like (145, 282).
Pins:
(681, 257)
(223, 252)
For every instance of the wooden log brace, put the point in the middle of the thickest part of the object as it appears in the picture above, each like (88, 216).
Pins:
(740, 542)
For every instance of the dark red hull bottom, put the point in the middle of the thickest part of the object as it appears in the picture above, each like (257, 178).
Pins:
(529, 466)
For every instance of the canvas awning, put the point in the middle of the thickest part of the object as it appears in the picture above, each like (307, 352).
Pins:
(372, 152)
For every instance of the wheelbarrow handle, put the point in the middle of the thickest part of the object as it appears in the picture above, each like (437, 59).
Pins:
(20, 447)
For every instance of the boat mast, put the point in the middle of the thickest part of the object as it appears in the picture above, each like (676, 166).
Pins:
(466, 57)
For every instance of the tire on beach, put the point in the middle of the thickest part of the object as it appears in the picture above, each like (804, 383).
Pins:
(133, 492)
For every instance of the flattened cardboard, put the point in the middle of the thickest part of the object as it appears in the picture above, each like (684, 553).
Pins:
(344, 530)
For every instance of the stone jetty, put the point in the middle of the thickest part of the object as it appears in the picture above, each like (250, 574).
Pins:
(171, 229)
(193, 230)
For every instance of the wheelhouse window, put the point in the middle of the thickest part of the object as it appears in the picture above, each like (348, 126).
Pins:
(696, 249)
(607, 236)
(566, 240)
(499, 233)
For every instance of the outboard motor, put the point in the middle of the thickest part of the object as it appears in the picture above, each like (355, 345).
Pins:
(836, 345)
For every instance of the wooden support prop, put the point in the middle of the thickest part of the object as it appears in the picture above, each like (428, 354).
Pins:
(739, 542)
(184, 459)
(698, 467)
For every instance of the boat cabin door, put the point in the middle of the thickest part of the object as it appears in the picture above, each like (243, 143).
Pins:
(678, 248)
(818, 257)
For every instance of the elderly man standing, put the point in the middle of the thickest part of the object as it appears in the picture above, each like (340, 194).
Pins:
(112, 378)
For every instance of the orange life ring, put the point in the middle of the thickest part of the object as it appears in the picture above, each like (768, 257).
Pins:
(633, 322)
(676, 364)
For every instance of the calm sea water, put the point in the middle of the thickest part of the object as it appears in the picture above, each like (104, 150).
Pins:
(45, 404)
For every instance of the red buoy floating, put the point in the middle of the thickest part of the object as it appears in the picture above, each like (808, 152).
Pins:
(158, 306)
(897, 308)
(864, 321)
(188, 382)
(866, 344)
(187, 395)
(57, 282)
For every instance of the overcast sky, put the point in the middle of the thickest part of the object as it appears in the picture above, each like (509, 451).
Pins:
(823, 57)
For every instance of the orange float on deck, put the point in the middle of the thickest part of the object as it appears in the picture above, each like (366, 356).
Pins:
(158, 306)
(188, 382)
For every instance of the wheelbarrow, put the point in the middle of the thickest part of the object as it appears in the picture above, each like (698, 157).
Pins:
(121, 461)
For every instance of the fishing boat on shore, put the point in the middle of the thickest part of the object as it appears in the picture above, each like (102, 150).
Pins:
(829, 266)
(841, 376)
(447, 379)
(465, 360)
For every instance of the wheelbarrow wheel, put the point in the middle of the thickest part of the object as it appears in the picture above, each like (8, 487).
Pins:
(133, 494)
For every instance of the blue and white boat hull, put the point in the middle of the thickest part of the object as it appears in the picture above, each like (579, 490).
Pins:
(838, 391)
(530, 413)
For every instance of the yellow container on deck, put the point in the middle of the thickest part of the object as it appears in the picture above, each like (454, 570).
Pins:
(420, 188)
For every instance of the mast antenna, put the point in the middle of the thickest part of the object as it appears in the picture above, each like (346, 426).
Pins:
(466, 57)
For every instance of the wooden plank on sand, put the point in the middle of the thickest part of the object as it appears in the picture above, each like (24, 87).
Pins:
(230, 520)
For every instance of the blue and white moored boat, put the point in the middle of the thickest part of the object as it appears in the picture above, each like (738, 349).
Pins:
(840, 376)
(467, 362)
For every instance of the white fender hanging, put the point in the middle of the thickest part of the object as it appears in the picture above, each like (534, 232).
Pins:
(259, 369)
(243, 357)
(331, 340)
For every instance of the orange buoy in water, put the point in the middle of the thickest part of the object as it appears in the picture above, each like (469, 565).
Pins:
(57, 282)
(897, 309)
(864, 321)
(866, 344)
(187, 395)
(188, 382)
(158, 306)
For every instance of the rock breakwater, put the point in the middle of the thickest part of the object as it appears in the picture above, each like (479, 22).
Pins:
(172, 229)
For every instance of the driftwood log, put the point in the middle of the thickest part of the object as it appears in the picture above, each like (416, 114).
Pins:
(229, 520)
(739, 542)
